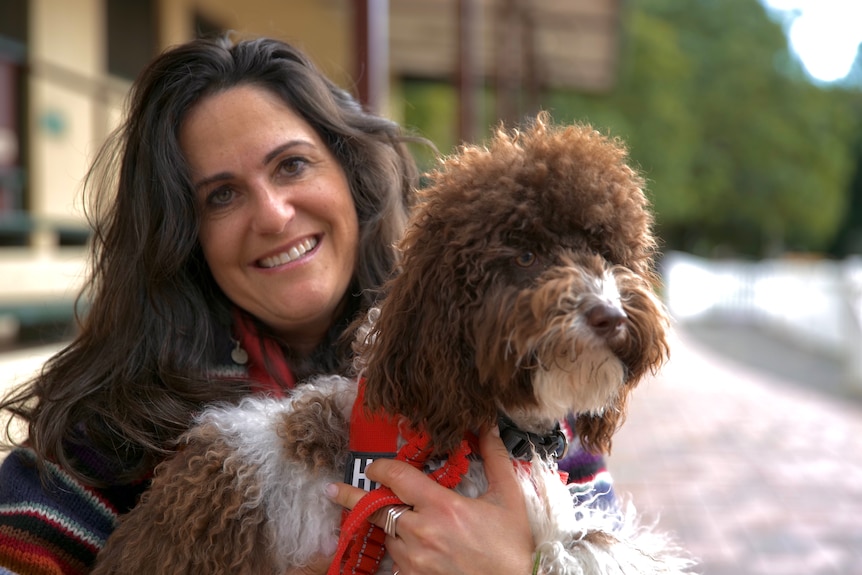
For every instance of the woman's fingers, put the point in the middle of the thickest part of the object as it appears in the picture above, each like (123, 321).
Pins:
(344, 495)
(405, 480)
(447, 533)
(409, 484)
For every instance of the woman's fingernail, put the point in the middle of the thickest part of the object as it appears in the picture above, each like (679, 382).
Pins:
(330, 490)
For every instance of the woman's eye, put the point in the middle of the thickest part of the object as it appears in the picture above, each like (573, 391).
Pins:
(292, 166)
(220, 197)
(525, 259)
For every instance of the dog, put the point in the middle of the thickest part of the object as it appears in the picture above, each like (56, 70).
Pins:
(525, 292)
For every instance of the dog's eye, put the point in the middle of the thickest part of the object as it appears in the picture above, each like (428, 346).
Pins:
(526, 259)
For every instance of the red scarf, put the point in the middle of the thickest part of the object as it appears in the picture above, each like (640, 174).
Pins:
(264, 354)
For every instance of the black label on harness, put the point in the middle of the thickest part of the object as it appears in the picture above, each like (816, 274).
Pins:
(354, 472)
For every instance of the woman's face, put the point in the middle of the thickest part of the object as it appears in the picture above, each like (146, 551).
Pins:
(279, 228)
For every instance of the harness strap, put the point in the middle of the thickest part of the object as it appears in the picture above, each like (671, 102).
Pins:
(362, 541)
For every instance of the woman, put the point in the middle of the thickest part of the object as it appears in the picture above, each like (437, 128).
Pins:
(244, 214)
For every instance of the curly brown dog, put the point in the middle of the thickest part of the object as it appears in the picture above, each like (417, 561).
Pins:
(525, 293)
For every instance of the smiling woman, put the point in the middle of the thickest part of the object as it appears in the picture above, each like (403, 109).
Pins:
(279, 230)
(244, 214)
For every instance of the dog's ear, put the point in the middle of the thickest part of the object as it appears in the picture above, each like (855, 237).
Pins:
(596, 431)
(647, 347)
(417, 359)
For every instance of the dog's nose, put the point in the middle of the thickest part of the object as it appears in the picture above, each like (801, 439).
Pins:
(605, 318)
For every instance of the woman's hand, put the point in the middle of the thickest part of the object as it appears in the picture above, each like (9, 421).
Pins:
(447, 533)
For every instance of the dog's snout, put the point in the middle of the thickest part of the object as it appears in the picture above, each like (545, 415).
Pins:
(605, 318)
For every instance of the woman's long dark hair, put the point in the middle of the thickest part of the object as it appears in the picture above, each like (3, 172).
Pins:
(127, 384)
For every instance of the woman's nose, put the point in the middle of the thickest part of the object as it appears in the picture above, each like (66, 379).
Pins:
(273, 210)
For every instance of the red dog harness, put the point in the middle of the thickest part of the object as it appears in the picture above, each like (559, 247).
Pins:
(373, 438)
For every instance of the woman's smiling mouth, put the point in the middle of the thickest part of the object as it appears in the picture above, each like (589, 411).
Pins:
(290, 255)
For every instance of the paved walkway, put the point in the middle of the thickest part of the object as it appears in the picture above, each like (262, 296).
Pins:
(755, 473)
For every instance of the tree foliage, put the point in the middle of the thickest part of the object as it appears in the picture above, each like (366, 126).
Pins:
(743, 153)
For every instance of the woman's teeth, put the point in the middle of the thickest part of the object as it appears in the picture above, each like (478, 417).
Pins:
(292, 254)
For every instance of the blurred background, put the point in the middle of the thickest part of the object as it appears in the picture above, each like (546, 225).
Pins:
(744, 116)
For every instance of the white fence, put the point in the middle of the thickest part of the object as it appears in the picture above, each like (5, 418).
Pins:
(814, 304)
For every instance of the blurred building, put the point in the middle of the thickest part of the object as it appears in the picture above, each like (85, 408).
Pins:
(66, 66)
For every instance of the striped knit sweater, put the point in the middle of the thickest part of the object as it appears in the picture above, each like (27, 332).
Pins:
(54, 525)
(587, 471)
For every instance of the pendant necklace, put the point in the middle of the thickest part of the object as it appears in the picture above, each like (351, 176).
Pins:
(238, 354)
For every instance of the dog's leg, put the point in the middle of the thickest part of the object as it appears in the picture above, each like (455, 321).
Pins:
(312, 439)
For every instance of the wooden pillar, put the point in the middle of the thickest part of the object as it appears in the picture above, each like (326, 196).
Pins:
(11, 112)
(371, 61)
(468, 83)
(532, 79)
(507, 65)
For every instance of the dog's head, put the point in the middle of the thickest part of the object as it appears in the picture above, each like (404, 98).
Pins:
(525, 287)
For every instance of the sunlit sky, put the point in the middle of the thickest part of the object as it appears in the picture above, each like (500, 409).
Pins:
(825, 34)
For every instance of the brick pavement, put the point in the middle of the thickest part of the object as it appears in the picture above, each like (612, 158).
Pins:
(755, 475)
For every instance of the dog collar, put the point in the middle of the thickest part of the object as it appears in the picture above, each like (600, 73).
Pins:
(521, 444)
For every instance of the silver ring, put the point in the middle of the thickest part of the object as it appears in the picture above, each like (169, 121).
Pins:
(392, 514)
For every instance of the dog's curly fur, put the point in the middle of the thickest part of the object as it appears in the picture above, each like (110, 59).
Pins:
(465, 309)
(525, 288)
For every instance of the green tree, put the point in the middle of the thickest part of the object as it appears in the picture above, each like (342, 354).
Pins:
(742, 152)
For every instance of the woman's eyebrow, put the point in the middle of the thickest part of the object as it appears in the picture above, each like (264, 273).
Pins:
(212, 179)
(278, 150)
